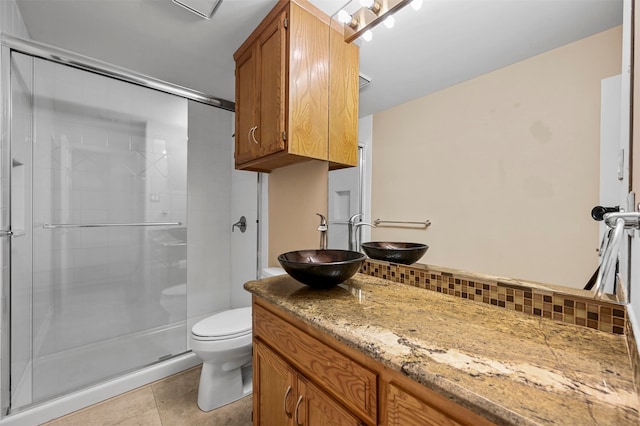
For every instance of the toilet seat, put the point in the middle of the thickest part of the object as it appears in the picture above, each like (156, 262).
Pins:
(175, 290)
(225, 325)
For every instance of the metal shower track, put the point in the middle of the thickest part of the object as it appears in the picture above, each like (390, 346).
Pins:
(86, 63)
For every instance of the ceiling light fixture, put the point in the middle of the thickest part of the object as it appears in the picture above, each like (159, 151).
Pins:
(344, 17)
(416, 4)
(369, 15)
(202, 8)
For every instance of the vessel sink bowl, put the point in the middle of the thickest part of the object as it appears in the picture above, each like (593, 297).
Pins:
(404, 253)
(321, 268)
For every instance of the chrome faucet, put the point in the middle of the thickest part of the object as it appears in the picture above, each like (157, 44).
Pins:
(618, 222)
(323, 232)
(356, 228)
(350, 228)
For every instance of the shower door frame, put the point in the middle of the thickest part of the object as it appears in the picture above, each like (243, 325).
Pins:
(5, 242)
(9, 44)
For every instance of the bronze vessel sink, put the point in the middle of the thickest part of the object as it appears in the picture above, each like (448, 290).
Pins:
(321, 268)
(404, 253)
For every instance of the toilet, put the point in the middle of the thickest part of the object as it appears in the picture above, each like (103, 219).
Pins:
(174, 302)
(223, 343)
(272, 271)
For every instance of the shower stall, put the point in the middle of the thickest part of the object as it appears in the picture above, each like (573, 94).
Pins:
(94, 222)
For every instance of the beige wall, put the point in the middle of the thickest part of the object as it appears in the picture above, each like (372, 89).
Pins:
(296, 194)
(505, 166)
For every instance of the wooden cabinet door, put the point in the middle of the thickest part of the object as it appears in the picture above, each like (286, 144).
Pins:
(246, 106)
(403, 409)
(343, 106)
(318, 409)
(271, 51)
(274, 386)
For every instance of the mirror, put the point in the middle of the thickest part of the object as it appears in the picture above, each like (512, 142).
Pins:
(494, 120)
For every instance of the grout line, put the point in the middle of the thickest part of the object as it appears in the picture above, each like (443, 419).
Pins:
(155, 400)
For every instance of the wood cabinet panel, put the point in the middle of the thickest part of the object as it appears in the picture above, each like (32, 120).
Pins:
(308, 83)
(245, 106)
(403, 409)
(317, 409)
(285, 111)
(332, 384)
(349, 382)
(344, 95)
(271, 51)
(284, 397)
(274, 388)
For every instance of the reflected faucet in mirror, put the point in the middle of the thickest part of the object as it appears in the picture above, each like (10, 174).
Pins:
(352, 221)
(503, 130)
(353, 229)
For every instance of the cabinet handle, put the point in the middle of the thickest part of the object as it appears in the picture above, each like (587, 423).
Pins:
(286, 394)
(249, 135)
(253, 135)
(297, 407)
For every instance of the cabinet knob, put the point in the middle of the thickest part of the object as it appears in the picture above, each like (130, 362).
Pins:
(286, 395)
(297, 409)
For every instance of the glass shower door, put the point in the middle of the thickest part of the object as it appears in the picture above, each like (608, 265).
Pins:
(99, 193)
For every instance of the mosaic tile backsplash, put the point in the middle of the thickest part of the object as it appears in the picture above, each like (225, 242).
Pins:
(597, 314)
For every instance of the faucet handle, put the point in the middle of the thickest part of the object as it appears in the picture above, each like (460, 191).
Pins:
(323, 223)
(355, 217)
(598, 212)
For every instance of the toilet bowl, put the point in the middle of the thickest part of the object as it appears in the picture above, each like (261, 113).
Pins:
(223, 343)
(272, 271)
(174, 302)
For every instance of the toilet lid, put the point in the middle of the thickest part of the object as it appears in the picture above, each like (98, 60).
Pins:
(226, 324)
(176, 290)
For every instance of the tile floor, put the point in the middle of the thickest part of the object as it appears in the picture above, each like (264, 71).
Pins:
(167, 402)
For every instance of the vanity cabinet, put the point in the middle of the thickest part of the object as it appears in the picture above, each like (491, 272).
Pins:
(327, 383)
(302, 376)
(282, 91)
(405, 409)
(288, 398)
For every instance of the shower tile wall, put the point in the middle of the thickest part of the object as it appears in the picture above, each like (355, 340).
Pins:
(115, 159)
(104, 152)
(209, 232)
(244, 246)
(217, 197)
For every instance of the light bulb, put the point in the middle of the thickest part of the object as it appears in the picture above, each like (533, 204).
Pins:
(367, 3)
(367, 35)
(416, 4)
(390, 21)
(344, 17)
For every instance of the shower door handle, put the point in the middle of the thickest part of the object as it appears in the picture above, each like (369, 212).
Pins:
(106, 225)
(6, 233)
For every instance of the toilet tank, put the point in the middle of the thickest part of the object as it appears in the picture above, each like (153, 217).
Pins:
(273, 271)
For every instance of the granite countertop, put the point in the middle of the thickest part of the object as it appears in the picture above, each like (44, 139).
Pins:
(510, 367)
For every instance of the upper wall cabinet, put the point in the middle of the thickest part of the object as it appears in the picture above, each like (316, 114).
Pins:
(285, 95)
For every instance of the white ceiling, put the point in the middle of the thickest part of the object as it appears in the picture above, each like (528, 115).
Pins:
(448, 41)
